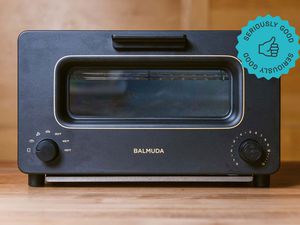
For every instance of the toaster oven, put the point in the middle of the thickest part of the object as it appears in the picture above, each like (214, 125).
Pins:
(143, 106)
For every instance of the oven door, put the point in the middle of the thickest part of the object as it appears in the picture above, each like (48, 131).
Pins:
(146, 92)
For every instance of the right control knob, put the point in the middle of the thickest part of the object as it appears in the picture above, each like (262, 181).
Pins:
(252, 152)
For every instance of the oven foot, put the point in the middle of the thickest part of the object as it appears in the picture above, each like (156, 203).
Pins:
(36, 180)
(261, 180)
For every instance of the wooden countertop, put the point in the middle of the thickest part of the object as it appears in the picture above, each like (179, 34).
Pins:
(152, 204)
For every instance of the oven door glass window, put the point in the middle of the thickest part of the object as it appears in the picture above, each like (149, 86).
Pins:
(140, 94)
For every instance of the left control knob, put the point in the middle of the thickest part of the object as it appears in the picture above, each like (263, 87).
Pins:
(47, 150)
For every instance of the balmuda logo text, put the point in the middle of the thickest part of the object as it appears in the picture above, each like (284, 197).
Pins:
(148, 151)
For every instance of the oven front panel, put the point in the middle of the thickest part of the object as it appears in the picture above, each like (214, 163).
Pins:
(88, 144)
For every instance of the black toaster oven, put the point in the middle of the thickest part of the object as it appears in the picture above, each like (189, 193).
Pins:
(143, 106)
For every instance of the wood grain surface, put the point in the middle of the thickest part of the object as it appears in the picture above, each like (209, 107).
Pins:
(19, 15)
(150, 204)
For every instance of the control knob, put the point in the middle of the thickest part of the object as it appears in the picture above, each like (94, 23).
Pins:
(47, 150)
(252, 152)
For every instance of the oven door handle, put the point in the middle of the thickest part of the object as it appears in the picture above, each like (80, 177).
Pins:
(142, 42)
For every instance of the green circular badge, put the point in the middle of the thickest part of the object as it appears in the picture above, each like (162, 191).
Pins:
(268, 47)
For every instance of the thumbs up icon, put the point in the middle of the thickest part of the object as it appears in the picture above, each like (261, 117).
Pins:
(269, 48)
